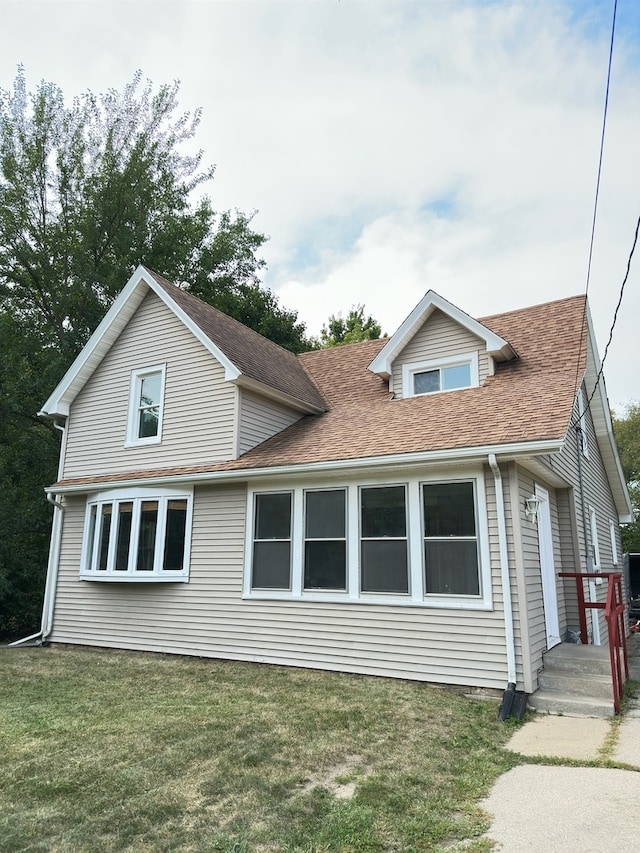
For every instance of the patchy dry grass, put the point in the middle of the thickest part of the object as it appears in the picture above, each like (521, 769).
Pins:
(116, 751)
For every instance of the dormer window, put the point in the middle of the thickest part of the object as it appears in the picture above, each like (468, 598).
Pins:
(431, 377)
(146, 398)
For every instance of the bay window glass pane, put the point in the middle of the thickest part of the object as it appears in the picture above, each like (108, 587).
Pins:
(325, 564)
(273, 516)
(125, 515)
(105, 530)
(271, 565)
(451, 567)
(175, 535)
(325, 515)
(458, 376)
(383, 512)
(449, 509)
(426, 382)
(147, 536)
(91, 536)
(383, 565)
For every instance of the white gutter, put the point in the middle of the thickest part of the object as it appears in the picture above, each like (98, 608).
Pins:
(504, 571)
(396, 461)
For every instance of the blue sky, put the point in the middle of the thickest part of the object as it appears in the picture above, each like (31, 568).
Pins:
(392, 147)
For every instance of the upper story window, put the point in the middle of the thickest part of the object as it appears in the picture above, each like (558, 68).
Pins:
(146, 402)
(431, 377)
(138, 535)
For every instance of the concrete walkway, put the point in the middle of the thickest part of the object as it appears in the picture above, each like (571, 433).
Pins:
(569, 809)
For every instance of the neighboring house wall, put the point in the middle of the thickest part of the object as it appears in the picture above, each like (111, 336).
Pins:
(209, 616)
(440, 337)
(199, 414)
(260, 419)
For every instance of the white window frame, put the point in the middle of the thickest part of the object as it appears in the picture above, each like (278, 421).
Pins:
(133, 438)
(345, 538)
(416, 596)
(409, 371)
(595, 547)
(91, 538)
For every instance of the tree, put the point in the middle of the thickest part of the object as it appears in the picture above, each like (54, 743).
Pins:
(627, 433)
(87, 192)
(350, 329)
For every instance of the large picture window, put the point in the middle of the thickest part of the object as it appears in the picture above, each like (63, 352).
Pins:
(138, 536)
(272, 541)
(450, 542)
(383, 539)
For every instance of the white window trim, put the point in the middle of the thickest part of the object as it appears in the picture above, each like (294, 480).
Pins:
(595, 547)
(614, 541)
(582, 417)
(132, 438)
(409, 370)
(415, 537)
(158, 574)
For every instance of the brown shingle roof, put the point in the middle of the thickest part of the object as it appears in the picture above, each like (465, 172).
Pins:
(255, 356)
(528, 399)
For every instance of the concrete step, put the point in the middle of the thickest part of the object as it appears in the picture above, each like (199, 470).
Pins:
(574, 658)
(569, 705)
(581, 685)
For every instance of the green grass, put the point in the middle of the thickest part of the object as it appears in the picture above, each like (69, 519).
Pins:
(117, 751)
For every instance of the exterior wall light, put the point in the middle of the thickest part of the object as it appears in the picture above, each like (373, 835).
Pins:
(531, 505)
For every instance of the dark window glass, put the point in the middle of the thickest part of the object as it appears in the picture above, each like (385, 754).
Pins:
(273, 516)
(449, 509)
(383, 512)
(325, 550)
(91, 536)
(147, 536)
(175, 536)
(149, 420)
(325, 514)
(451, 567)
(149, 405)
(125, 515)
(271, 565)
(384, 565)
(105, 530)
(426, 382)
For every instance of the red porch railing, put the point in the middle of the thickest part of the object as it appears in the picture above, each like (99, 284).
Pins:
(614, 609)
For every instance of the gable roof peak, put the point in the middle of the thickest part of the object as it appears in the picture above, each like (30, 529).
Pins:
(498, 347)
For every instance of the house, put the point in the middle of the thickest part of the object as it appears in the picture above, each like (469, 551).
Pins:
(361, 509)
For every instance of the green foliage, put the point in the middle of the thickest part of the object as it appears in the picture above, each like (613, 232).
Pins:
(351, 329)
(87, 193)
(627, 433)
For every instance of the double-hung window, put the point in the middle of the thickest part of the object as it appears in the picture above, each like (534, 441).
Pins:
(146, 403)
(325, 540)
(450, 539)
(272, 541)
(383, 539)
(138, 536)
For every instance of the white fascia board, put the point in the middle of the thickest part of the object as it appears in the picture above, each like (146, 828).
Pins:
(294, 403)
(374, 464)
(116, 318)
(231, 372)
(496, 346)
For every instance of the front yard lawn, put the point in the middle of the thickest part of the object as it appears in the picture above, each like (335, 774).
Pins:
(114, 751)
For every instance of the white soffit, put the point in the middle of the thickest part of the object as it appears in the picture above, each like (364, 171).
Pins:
(497, 347)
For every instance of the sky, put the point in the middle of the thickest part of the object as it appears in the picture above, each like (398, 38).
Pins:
(389, 148)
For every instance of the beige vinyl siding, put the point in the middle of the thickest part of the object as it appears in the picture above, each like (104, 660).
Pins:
(208, 615)
(260, 419)
(199, 406)
(440, 337)
(597, 495)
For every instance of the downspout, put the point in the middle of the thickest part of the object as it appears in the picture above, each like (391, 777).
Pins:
(595, 627)
(506, 589)
(53, 564)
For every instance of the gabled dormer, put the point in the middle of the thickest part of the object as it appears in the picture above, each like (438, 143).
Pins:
(439, 348)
